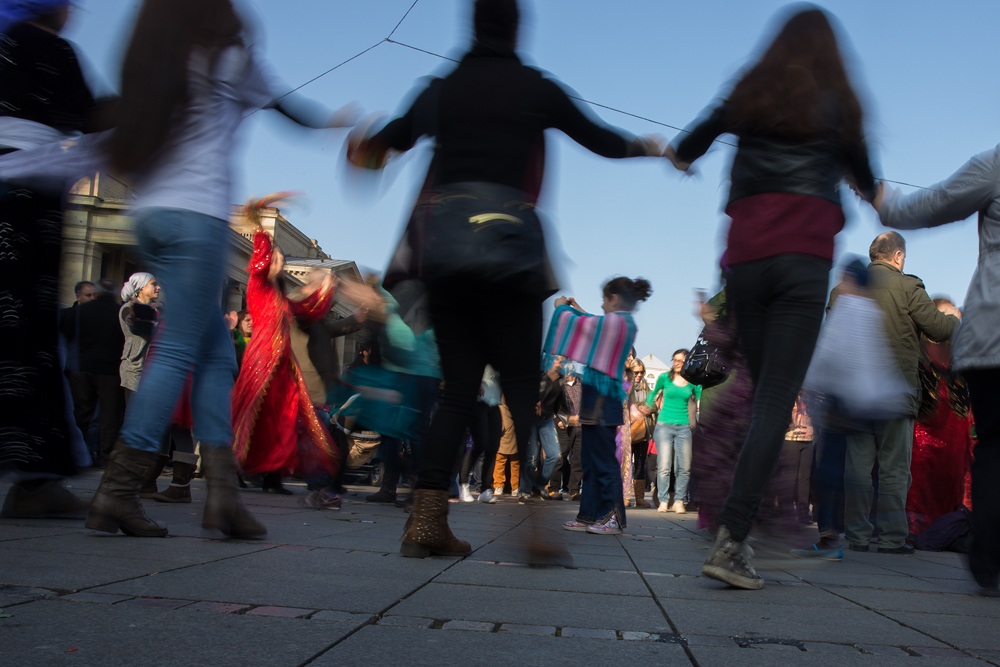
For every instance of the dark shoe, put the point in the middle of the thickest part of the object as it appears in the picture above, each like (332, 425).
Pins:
(272, 484)
(639, 487)
(553, 495)
(50, 498)
(427, 532)
(728, 561)
(904, 550)
(406, 502)
(116, 503)
(179, 490)
(224, 509)
(149, 485)
(324, 499)
(381, 496)
(575, 497)
(859, 547)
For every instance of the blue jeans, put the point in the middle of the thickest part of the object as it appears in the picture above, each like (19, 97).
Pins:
(602, 494)
(673, 447)
(543, 440)
(186, 253)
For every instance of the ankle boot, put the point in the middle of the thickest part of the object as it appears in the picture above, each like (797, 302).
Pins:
(149, 489)
(427, 530)
(640, 494)
(179, 490)
(224, 509)
(116, 503)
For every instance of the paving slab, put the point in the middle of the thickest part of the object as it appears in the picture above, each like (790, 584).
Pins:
(963, 631)
(290, 578)
(381, 645)
(735, 619)
(703, 588)
(708, 656)
(176, 549)
(561, 609)
(73, 572)
(921, 601)
(42, 634)
(483, 573)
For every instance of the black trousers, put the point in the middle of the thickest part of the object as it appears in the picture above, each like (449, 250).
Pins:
(478, 324)
(486, 429)
(984, 561)
(778, 303)
(569, 469)
(640, 453)
(88, 389)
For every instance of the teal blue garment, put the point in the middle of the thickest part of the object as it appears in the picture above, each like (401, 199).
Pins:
(388, 402)
(404, 351)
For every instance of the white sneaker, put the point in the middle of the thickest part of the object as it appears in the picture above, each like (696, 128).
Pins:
(487, 497)
(679, 507)
(663, 508)
(464, 494)
(498, 491)
(515, 492)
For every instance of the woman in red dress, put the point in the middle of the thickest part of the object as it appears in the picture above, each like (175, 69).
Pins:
(274, 422)
(942, 440)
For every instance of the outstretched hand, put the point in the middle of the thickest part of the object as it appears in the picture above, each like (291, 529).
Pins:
(679, 165)
(230, 319)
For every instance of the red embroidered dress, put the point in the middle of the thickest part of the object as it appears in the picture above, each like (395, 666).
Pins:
(274, 423)
(942, 441)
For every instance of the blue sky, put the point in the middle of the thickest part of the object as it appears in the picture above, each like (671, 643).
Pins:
(928, 76)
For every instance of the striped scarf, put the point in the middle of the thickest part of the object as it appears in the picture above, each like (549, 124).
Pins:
(602, 343)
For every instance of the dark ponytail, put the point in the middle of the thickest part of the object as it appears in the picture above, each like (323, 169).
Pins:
(630, 291)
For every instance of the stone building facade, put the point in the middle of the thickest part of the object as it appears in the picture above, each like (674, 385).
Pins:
(99, 242)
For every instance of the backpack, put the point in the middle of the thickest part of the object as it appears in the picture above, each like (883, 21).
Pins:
(949, 532)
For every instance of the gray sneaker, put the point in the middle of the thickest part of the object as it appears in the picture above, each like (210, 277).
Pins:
(728, 561)
(487, 497)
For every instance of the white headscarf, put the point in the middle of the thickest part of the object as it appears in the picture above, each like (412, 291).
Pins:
(131, 289)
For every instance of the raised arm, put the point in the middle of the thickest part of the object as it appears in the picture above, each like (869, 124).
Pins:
(591, 133)
(967, 191)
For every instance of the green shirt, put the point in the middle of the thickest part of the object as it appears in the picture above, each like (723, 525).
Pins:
(675, 400)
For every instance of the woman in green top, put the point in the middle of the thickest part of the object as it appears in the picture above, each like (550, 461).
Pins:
(672, 433)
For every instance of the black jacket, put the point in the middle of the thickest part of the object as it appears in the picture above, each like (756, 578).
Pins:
(322, 353)
(767, 163)
(100, 340)
(551, 396)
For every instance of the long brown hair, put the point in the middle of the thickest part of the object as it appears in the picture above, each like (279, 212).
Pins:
(155, 73)
(798, 81)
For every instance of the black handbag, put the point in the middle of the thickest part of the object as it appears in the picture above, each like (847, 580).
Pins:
(703, 365)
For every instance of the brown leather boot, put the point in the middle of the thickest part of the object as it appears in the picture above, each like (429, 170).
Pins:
(640, 494)
(116, 503)
(427, 530)
(224, 509)
(179, 490)
(149, 489)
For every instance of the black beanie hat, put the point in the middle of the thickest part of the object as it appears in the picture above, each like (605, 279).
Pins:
(496, 19)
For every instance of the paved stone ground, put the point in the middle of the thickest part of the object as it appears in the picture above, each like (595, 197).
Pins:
(330, 589)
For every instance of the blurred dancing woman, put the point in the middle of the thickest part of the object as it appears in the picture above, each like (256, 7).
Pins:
(188, 80)
(485, 289)
(43, 97)
(273, 417)
(604, 344)
(975, 345)
(799, 126)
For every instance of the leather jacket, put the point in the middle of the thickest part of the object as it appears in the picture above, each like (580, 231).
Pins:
(768, 163)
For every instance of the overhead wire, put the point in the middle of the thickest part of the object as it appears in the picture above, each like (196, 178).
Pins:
(390, 40)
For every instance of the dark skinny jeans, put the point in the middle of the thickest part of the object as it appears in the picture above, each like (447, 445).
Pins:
(478, 324)
(778, 303)
(984, 561)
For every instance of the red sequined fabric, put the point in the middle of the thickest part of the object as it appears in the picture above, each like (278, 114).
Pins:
(942, 444)
(274, 423)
